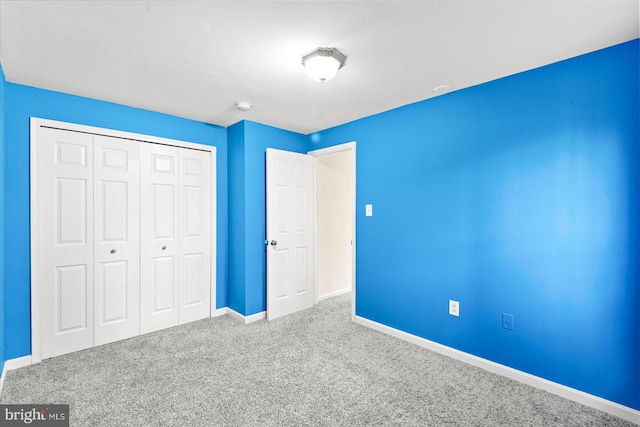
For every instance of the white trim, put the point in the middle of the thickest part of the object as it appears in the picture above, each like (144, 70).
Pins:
(323, 152)
(38, 122)
(333, 149)
(334, 294)
(615, 409)
(219, 312)
(12, 364)
(234, 314)
(18, 362)
(36, 339)
(315, 231)
(35, 125)
(214, 230)
(255, 317)
(246, 319)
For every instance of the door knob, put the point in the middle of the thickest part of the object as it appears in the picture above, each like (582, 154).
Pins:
(273, 243)
(113, 251)
(164, 247)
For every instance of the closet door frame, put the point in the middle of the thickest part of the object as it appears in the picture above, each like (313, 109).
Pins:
(36, 124)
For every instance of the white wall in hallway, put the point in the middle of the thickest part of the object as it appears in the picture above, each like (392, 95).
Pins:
(334, 216)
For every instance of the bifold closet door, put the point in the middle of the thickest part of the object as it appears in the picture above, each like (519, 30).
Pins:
(175, 236)
(121, 233)
(65, 240)
(116, 239)
(159, 227)
(88, 193)
(195, 235)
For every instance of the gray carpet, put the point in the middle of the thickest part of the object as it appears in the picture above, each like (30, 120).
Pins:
(315, 368)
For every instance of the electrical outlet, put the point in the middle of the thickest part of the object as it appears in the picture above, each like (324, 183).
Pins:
(507, 321)
(454, 308)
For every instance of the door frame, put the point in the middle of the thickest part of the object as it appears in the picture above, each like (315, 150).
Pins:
(35, 125)
(323, 152)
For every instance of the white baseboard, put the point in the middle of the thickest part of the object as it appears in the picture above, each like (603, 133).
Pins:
(19, 362)
(241, 317)
(12, 364)
(586, 399)
(220, 312)
(333, 294)
(246, 319)
(255, 317)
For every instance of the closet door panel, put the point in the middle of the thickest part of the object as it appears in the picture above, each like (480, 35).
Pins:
(64, 226)
(195, 235)
(159, 216)
(117, 239)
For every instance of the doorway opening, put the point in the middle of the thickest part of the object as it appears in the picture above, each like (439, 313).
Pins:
(335, 222)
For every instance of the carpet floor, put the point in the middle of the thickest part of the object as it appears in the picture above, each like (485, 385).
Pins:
(314, 368)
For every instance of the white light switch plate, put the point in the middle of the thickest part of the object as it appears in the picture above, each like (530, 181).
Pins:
(368, 210)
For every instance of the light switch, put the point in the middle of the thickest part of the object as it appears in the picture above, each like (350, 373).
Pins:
(507, 321)
(368, 209)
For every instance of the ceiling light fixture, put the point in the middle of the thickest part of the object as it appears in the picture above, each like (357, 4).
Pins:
(323, 63)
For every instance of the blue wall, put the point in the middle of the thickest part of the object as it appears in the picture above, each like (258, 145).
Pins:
(517, 196)
(248, 143)
(237, 292)
(22, 102)
(3, 85)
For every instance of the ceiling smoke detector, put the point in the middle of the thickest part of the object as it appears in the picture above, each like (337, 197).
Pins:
(243, 105)
(441, 89)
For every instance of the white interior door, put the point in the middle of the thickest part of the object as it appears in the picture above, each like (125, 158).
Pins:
(290, 253)
(65, 232)
(195, 235)
(116, 239)
(159, 230)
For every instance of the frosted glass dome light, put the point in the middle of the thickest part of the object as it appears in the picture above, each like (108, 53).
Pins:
(323, 63)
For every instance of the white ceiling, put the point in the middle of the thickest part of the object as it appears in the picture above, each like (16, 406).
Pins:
(196, 59)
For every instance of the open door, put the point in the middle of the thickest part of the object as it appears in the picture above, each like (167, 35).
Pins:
(290, 232)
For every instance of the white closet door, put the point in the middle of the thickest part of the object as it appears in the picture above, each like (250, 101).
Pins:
(65, 231)
(116, 239)
(159, 229)
(195, 235)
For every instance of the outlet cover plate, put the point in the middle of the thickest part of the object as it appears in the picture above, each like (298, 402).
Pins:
(454, 308)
